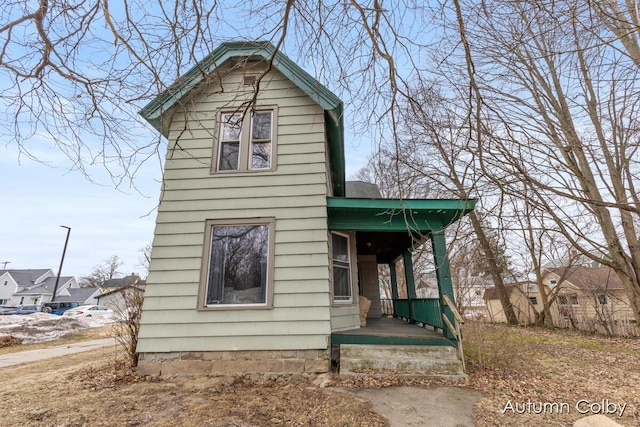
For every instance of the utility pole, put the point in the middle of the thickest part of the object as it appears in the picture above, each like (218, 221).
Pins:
(4, 264)
(64, 251)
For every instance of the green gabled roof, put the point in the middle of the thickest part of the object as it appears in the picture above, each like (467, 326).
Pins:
(155, 112)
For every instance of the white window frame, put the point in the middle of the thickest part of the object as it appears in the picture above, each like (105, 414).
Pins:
(245, 143)
(349, 269)
(206, 258)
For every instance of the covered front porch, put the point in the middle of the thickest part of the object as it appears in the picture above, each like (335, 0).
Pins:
(387, 231)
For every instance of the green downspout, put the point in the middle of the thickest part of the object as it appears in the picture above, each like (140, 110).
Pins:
(411, 283)
(394, 288)
(445, 286)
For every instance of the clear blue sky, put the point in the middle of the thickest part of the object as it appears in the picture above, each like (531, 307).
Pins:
(37, 199)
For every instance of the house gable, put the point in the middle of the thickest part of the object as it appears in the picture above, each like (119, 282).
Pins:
(159, 112)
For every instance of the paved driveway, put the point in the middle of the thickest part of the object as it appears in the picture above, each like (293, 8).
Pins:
(22, 357)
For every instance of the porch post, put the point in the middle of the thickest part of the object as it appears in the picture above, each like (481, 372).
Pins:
(411, 283)
(445, 286)
(394, 288)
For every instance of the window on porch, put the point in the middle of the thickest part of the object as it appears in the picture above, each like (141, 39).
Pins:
(341, 261)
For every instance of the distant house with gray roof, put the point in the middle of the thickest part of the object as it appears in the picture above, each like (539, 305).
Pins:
(31, 286)
(81, 295)
(119, 283)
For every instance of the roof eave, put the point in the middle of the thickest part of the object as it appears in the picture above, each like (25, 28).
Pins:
(157, 109)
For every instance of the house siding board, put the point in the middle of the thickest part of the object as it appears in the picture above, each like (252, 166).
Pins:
(294, 194)
(220, 327)
(318, 171)
(243, 211)
(196, 195)
(347, 317)
(224, 181)
(281, 314)
(239, 343)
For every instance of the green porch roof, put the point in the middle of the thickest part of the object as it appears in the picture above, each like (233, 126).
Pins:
(155, 112)
(387, 228)
(395, 215)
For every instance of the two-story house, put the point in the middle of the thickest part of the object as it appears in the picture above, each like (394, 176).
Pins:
(31, 286)
(259, 256)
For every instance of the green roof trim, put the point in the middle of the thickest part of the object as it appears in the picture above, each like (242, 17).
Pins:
(419, 215)
(155, 112)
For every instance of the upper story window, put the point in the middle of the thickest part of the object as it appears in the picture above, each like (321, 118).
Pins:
(247, 140)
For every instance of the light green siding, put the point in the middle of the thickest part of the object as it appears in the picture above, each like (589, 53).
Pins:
(294, 194)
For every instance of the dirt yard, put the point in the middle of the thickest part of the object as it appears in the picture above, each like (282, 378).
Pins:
(516, 365)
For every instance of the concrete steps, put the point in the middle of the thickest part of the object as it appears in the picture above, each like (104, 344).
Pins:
(399, 360)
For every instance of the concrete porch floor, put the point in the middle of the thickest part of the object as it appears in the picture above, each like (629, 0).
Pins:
(390, 331)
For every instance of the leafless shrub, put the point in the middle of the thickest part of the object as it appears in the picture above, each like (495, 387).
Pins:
(128, 308)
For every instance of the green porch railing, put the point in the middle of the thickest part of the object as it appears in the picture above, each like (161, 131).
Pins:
(401, 307)
(425, 310)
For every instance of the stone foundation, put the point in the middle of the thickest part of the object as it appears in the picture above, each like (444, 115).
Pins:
(224, 363)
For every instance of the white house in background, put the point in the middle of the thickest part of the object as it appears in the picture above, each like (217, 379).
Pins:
(31, 286)
(88, 296)
(119, 299)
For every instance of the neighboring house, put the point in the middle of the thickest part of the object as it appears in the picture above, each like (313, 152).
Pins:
(577, 259)
(520, 301)
(259, 255)
(470, 295)
(120, 282)
(31, 286)
(119, 299)
(13, 281)
(532, 291)
(84, 296)
(588, 298)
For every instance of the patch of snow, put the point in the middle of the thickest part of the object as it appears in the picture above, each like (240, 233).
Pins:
(41, 327)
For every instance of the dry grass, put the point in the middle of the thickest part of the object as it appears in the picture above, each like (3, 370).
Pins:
(95, 388)
(80, 335)
(539, 365)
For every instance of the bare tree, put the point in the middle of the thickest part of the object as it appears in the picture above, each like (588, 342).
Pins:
(103, 272)
(557, 109)
(145, 259)
(546, 93)
(77, 75)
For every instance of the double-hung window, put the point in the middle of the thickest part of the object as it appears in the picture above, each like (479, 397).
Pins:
(238, 256)
(247, 140)
(341, 262)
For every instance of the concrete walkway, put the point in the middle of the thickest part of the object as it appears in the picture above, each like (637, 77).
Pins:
(22, 357)
(417, 407)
